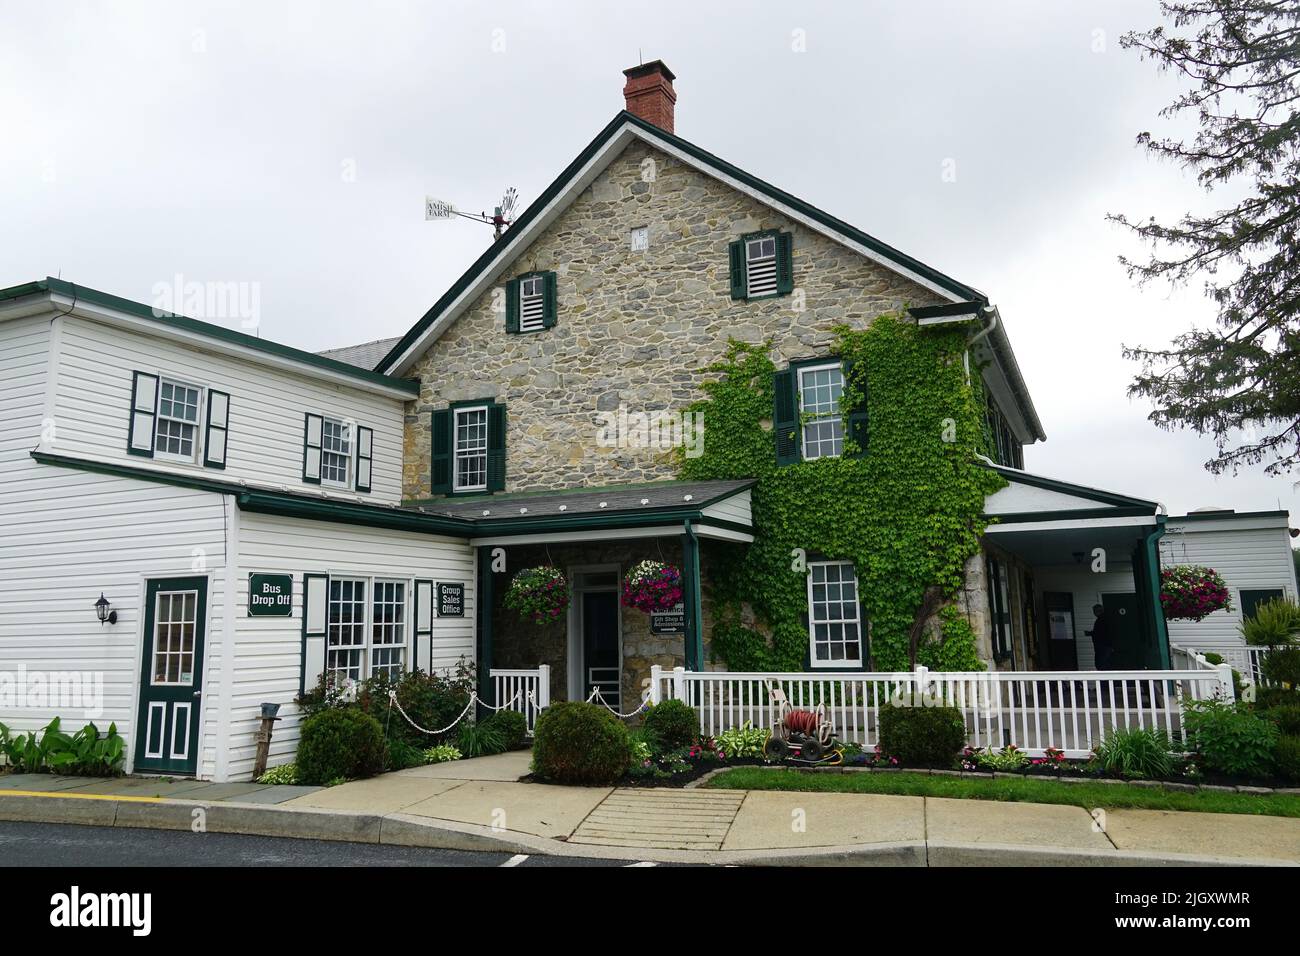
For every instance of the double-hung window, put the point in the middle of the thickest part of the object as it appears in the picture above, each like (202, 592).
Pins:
(820, 390)
(760, 266)
(471, 433)
(834, 615)
(365, 631)
(335, 453)
(177, 423)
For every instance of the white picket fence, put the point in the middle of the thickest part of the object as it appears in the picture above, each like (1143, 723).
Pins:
(1245, 659)
(527, 691)
(1071, 711)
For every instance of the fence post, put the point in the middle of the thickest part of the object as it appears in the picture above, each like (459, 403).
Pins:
(922, 679)
(1225, 681)
(656, 680)
(543, 686)
(679, 683)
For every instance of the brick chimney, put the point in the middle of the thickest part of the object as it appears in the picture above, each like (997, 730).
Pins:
(649, 93)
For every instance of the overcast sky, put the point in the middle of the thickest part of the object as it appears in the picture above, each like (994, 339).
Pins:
(291, 145)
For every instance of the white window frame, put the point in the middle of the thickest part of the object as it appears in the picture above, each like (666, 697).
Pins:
(367, 625)
(532, 305)
(762, 259)
(349, 439)
(456, 453)
(838, 414)
(197, 424)
(850, 663)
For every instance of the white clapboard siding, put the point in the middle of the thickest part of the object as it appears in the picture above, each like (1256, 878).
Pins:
(267, 407)
(1248, 556)
(268, 654)
(1087, 587)
(735, 508)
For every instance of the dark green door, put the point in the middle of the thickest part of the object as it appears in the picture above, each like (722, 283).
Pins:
(600, 645)
(1125, 628)
(171, 678)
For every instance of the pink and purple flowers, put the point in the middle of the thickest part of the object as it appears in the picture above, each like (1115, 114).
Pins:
(652, 586)
(539, 594)
(1190, 592)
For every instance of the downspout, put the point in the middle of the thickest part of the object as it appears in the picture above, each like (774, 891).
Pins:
(1153, 583)
(694, 649)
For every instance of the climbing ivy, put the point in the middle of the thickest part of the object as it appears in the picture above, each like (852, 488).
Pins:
(907, 513)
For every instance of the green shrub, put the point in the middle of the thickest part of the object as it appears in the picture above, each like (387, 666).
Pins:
(1281, 666)
(1009, 759)
(672, 724)
(1266, 698)
(1231, 739)
(1274, 622)
(479, 738)
(511, 726)
(1137, 753)
(402, 755)
(340, 742)
(1287, 718)
(746, 741)
(443, 753)
(431, 700)
(83, 753)
(922, 736)
(580, 743)
(1287, 758)
(285, 774)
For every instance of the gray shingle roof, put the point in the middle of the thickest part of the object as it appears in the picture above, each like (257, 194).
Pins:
(366, 355)
(578, 501)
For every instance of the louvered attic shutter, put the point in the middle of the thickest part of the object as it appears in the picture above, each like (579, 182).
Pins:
(496, 455)
(784, 263)
(440, 441)
(311, 433)
(512, 306)
(549, 303)
(214, 440)
(144, 410)
(365, 457)
(785, 417)
(736, 255)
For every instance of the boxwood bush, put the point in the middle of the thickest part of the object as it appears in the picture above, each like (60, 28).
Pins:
(672, 724)
(922, 736)
(580, 743)
(511, 726)
(340, 743)
(1287, 758)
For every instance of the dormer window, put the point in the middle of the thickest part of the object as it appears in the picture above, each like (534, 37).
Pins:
(762, 265)
(164, 421)
(530, 303)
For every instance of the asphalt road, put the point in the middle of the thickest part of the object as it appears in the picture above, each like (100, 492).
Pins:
(57, 844)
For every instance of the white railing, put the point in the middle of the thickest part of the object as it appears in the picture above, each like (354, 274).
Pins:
(1071, 711)
(1246, 659)
(529, 691)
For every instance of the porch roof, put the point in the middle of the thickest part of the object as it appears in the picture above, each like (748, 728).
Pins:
(718, 509)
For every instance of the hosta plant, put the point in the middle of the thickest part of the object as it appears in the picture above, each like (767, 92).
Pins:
(540, 594)
(746, 741)
(285, 774)
(652, 586)
(1190, 592)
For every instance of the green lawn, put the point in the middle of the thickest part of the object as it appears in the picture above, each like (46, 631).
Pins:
(1016, 789)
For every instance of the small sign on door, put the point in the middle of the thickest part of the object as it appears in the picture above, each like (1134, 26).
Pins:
(270, 595)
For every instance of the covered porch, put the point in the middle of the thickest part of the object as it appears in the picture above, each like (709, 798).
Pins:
(1056, 551)
(594, 536)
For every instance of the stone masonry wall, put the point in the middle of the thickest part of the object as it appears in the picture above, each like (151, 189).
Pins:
(634, 328)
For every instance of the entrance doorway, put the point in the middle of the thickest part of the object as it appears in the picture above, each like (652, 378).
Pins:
(595, 635)
(1125, 630)
(171, 677)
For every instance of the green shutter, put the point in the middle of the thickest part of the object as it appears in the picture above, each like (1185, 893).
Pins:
(143, 414)
(512, 305)
(496, 455)
(736, 254)
(311, 448)
(440, 441)
(549, 303)
(785, 417)
(217, 429)
(784, 263)
(365, 457)
(855, 419)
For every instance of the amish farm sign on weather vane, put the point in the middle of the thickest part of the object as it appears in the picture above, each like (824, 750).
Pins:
(502, 216)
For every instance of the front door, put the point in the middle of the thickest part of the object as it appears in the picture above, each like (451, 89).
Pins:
(1125, 631)
(1061, 652)
(171, 679)
(600, 650)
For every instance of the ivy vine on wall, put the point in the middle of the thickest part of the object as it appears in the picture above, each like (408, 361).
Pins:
(907, 513)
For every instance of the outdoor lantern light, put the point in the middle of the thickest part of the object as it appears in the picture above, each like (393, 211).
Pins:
(102, 610)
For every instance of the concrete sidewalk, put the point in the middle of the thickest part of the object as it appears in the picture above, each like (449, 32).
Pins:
(481, 804)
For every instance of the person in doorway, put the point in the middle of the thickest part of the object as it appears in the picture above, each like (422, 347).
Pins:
(1103, 649)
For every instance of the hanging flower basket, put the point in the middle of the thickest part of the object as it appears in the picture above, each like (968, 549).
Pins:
(1190, 592)
(652, 586)
(539, 594)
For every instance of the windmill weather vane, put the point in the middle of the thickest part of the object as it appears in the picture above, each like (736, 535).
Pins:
(502, 216)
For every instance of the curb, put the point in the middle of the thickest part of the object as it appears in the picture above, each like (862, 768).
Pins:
(398, 829)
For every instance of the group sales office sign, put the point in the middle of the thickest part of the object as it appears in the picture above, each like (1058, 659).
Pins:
(270, 595)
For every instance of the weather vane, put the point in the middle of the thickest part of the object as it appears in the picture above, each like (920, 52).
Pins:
(501, 217)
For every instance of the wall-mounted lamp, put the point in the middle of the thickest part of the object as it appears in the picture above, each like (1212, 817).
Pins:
(103, 612)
